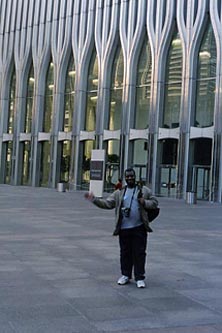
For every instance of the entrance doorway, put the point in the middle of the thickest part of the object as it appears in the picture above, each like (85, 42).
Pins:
(167, 185)
(168, 179)
(201, 181)
(200, 167)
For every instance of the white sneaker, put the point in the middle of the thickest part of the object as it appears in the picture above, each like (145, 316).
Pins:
(123, 280)
(140, 284)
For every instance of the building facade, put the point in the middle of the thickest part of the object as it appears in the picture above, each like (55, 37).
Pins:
(138, 78)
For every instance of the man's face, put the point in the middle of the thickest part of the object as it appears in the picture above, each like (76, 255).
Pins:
(130, 178)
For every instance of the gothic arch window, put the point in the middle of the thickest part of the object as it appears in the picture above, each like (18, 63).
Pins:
(173, 84)
(143, 85)
(29, 101)
(12, 99)
(92, 93)
(206, 80)
(48, 108)
(115, 106)
(69, 96)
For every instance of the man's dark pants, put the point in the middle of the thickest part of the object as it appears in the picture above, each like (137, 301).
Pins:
(133, 244)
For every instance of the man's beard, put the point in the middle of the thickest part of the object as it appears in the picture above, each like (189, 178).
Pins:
(130, 184)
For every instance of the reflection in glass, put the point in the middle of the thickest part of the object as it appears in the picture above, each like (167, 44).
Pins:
(45, 163)
(87, 151)
(116, 91)
(206, 80)
(26, 162)
(113, 151)
(47, 118)
(112, 165)
(169, 151)
(11, 111)
(91, 111)
(65, 161)
(69, 96)
(140, 158)
(173, 84)
(92, 94)
(8, 162)
(143, 86)
(29, 101)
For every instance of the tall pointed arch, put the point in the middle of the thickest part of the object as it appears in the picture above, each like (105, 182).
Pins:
(29, 101)
(92, 93)
(206, 80)
(69, 96)
(173, 84)
(48, 109)
(11, 105)
(143, 86)
(10, 128)
(116, 91)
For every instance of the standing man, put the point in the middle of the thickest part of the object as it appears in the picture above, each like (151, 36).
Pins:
(131, 204)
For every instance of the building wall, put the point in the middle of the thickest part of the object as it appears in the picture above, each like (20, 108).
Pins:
(184, 156)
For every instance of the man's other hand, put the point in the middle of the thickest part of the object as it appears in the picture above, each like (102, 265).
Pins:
(89, 196)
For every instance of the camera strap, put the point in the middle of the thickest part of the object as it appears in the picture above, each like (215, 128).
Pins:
(131, 200)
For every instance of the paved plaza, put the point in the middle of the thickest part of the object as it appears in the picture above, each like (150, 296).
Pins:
(59, 264)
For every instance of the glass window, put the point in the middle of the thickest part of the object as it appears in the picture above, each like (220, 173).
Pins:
(115, 108)
(173, 84)
(29, 101)
(202, 151)
(143, 85)
(45, 163)
(140, 158)
(206, 80)
(26, 162)
(8, 162)
(169, 151)
(47, 118)
(87, 151)
(113, 151)
(69, 96)
(112, 165)
(65, 161)
(92, 93)
(11, 111)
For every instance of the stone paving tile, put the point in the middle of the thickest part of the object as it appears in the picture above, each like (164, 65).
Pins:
(84, 292)
(60, 325)
(40, 312)
(178, 303)
(193, 329)
(37, 299)
(118, 312)
(104, 302)
(6, 327)
(149, 325)
(203, 294)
